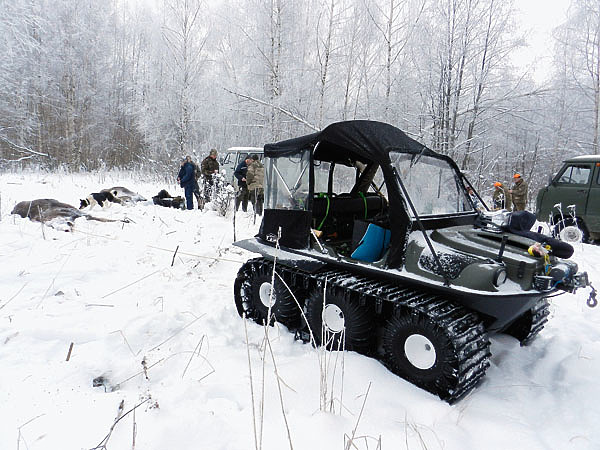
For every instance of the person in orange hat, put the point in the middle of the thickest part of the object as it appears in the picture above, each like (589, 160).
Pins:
(501, 197)
(519, 193)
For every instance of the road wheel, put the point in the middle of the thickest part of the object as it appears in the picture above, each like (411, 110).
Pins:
(417, 349)
(254, 292)
(572, 231)
(529, 324)
(340, 322)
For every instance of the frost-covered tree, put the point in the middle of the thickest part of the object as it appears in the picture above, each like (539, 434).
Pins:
(578, 72)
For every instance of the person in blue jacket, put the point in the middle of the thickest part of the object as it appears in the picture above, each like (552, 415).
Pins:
(243, 194)
(186, 181)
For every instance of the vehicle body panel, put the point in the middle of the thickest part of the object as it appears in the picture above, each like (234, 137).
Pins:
(577, 184)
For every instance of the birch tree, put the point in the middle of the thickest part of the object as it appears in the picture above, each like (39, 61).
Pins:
(579, 48)
(185, 37)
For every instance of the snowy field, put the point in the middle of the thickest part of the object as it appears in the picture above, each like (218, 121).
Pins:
(164, 334)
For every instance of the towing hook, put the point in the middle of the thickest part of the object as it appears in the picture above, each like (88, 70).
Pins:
(592, 301)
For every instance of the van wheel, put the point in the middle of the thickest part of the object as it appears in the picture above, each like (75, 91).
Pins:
(572, 231)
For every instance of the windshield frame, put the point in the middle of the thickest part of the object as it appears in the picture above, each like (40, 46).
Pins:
(465, 204)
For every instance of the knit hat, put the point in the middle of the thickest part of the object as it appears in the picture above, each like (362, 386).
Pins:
(517, 175)
(497, 184)
(213, 152)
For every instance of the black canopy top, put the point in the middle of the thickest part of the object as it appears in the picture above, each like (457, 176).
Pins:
(361, 140)
(368, 142)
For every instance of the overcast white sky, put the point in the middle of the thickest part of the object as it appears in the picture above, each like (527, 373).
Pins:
(538, 18)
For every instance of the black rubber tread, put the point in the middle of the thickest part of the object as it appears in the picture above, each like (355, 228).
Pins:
(466, 333)
(247, 282)
(358, 334)
(462, 346)
(529, 324)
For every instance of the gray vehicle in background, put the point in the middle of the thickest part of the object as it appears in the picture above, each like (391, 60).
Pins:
(231, 157)
(572, 198)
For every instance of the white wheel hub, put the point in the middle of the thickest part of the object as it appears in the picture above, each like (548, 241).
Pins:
(571, 234)
(264, 292)
(333, 318)
(420, 351)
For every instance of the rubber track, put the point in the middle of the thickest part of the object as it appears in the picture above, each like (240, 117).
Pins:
(539, 318)
(464, 329)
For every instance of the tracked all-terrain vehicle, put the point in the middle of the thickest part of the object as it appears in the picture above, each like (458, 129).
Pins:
(380, 246)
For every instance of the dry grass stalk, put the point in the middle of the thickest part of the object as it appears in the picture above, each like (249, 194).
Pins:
(177, 332)
(362, 408)
(133, 432)
(262, 388)
(55, 277)
(197, 350)
(130, 284)
(365, 439)
(13, 297)
(123, 335)
(120, 415)
(287, 427)
(41, 221)
(20, 435)
(258, 416)
(174, 255)
(70, 350)
(251, 385)
(144, 371)
(328, 363)
(145, 367)
(323, 356)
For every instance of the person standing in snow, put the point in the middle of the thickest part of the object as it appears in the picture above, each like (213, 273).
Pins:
(209, 168)
(240, 174)
(501, 197)
(186, 181)
(255, 177)
(196, 185)
(519, 193)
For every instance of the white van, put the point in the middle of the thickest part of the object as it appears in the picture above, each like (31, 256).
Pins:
(230, 158)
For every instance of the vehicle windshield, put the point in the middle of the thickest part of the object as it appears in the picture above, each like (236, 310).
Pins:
(432, 184)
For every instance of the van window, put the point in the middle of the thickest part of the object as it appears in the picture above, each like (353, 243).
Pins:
(241, 156)
(575, 174)
(226, 159)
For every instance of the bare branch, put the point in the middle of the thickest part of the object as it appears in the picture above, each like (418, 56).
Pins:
(278, 108)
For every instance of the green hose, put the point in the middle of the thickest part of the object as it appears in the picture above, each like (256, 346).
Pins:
(321, 195)
(364, 200)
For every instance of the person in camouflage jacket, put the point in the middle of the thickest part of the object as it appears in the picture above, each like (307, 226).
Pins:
(519, 193)
(255, 177)
(209, 167)
(501, 196)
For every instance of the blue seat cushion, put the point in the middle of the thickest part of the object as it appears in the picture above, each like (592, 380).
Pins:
(373, 244)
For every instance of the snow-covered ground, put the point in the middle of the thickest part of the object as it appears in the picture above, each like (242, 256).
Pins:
(164, 332)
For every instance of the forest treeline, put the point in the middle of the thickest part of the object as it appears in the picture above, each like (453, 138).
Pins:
(93, 84)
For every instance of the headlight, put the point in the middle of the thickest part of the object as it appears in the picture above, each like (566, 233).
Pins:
(499, 277)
